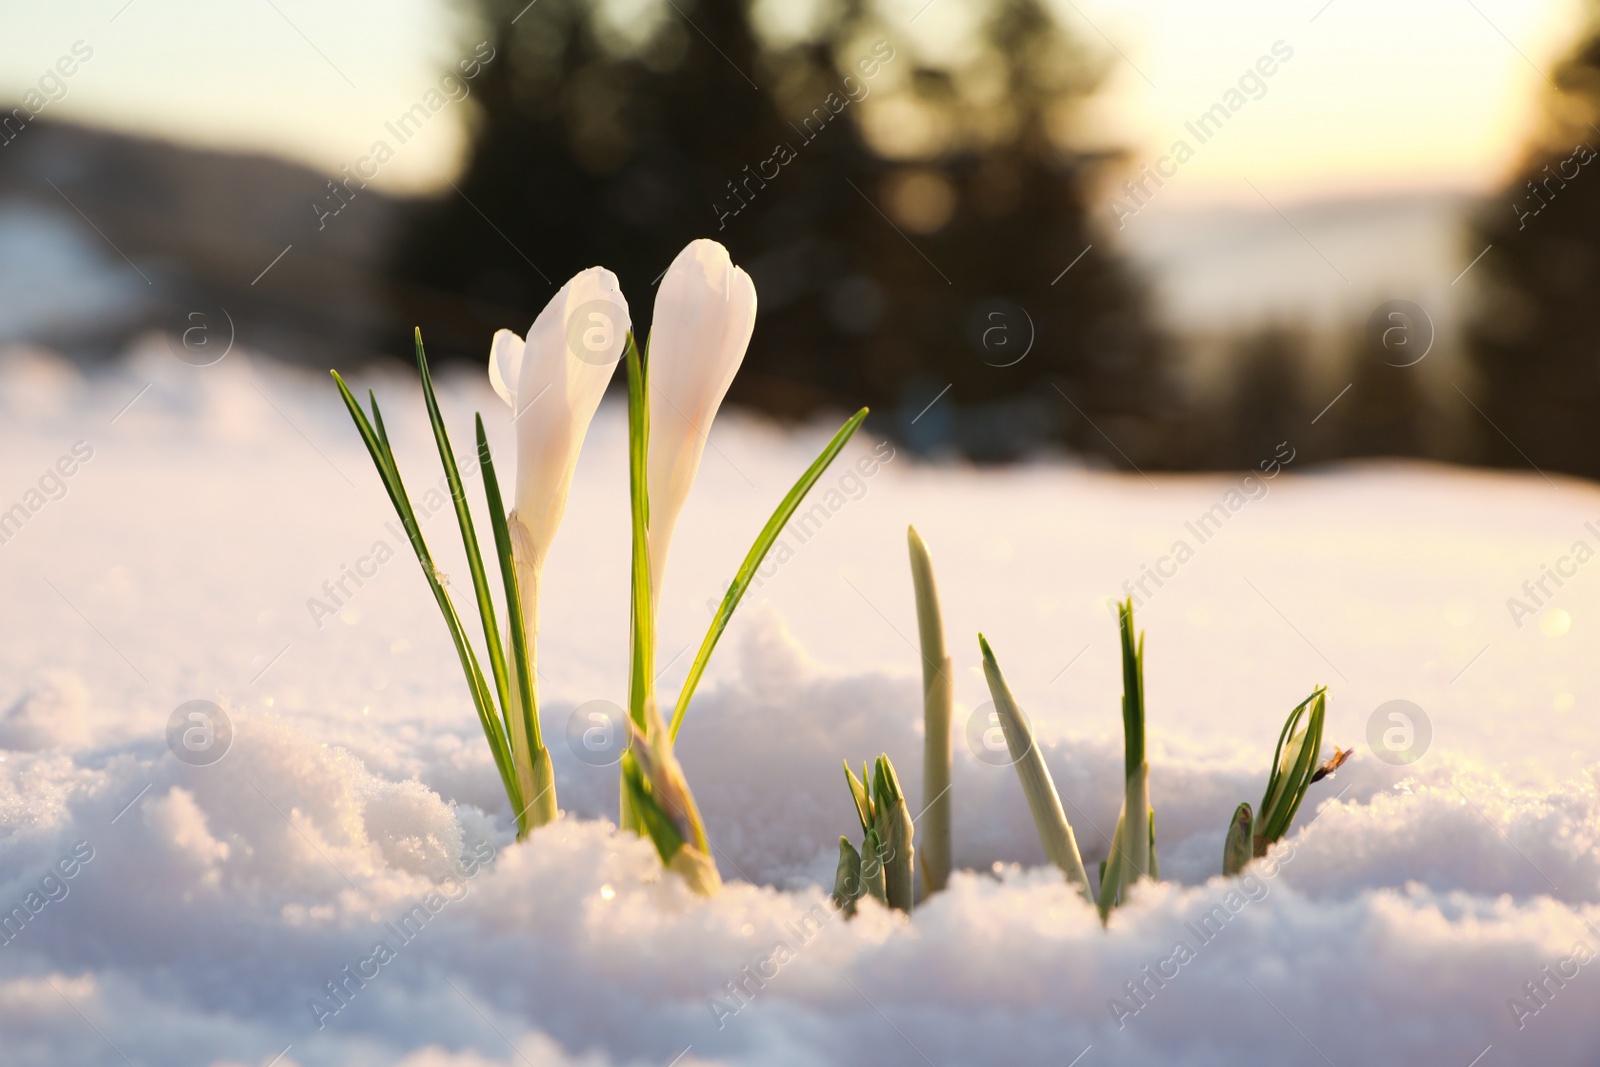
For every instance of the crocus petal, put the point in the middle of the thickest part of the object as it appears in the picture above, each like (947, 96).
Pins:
(704, 314)
(571, 351)
(505, 365)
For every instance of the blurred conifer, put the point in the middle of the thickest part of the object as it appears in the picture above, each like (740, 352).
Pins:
(915, 239)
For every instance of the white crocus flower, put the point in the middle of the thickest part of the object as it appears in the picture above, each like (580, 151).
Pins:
(554, 381)
(705, 311)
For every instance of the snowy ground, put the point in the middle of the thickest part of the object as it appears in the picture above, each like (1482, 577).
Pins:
(216, 903)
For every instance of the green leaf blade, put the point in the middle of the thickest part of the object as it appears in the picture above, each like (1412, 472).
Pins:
(641, 679)
(752, 560)
(469, 536)
(858, 793)
(938, 713)
(520, 649)
(1238, 846)
(377, 442)
(1044, 802)
(1132, 690)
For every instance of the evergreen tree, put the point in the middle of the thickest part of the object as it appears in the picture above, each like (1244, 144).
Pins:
(907, 220)
(1534, 330)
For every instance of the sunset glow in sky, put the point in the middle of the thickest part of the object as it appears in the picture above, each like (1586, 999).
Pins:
(1377, 96)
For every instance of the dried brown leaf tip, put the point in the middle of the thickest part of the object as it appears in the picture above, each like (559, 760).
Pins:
(1332, 763)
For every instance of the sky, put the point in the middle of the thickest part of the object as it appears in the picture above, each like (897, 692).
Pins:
(1375, 97)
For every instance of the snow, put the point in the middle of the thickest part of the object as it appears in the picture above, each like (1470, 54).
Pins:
(1402, 923)
(51, 271)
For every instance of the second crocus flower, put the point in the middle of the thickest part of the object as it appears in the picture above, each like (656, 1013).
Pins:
(554, 381)
(704, 314)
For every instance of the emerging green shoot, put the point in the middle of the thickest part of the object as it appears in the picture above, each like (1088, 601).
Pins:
(1133, 850)
(937, 711)
(758, 552)
(1044, 803)
(883, 868)
(1132, 690)
(1294, 770)
(1294, 766)
(874, 882)
(847, 880)
(1236, 848)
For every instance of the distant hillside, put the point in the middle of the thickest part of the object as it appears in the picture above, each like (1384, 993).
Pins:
(104, 236)
(1231, 269)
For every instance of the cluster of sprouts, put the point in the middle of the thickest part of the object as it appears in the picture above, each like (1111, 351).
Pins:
(1132, 856)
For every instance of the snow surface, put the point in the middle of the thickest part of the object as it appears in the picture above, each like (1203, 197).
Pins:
(176, 563)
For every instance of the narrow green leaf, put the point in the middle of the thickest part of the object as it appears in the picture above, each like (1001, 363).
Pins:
(1044, 803)
(896, 830)
(483, 700)
(377, 443)
(1237, 846)
(930, 622)
(1132, 691)
(1290, 726)
(469, 536)
(1111, 873)
(880, 784)
(641, 680)
(872, 873)
(1305, 764)
(521, 652)
(858, 793)
(938, 713)
(1137, 835)
(847, 879)
(1274, 802)
(752, 560)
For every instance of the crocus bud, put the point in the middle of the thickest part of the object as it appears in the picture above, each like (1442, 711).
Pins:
(1294, 769)
(554, 381)
(704, 314)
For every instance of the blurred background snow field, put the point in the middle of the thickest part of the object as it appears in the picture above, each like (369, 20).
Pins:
(342, 887)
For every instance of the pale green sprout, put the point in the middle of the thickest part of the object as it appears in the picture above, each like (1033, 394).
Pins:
(883, 868)
(1236, 848)
(1294, 770)
(507, 710)
(1133, 849)
(847, 879)
(937, 711)
(1133, 846)
(1044, 803)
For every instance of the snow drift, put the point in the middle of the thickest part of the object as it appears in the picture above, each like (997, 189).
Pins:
(342, 888)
